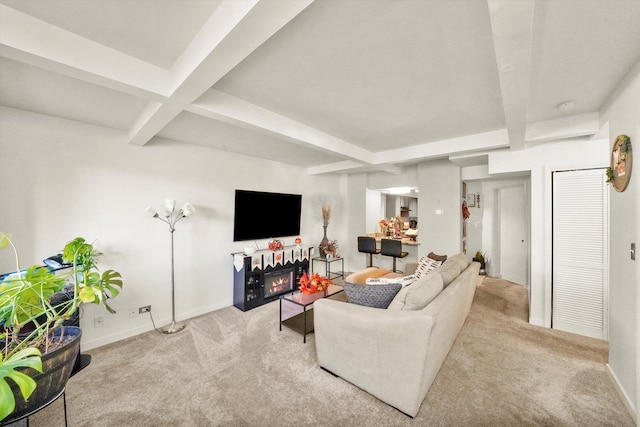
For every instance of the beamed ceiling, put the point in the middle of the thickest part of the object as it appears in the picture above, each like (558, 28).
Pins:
(332, 86)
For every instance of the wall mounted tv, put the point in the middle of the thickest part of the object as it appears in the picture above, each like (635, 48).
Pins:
(262, 215)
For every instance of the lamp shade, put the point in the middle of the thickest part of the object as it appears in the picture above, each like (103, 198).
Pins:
(188, 209)
(169, 205)
(149, 211)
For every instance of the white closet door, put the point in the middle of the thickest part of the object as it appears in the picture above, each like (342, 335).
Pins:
(580, 252)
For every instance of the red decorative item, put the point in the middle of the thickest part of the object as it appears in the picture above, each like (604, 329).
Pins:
(317, 283)
(276, 245)
(465, 211)
(298, 240)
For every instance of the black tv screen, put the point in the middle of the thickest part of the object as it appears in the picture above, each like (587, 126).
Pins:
(262, 215)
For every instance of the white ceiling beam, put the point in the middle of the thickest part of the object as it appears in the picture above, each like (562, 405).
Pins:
(27, 39)
(566, 127)
(232, 32)
(229, 109)
(512, 27)
(384, 160)
(390, 169)
(446, 147)
(344, 166)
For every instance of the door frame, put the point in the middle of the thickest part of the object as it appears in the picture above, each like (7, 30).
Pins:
(523, 223)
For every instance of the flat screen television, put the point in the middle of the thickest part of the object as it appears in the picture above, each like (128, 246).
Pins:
(262, 215)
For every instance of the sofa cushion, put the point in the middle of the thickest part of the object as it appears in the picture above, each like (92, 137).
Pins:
(449, 271)
(419, 294)
(425, 265)
(378, 296)
(461, 259)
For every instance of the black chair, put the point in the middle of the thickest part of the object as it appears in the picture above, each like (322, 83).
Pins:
(367, 245)
(392, 248)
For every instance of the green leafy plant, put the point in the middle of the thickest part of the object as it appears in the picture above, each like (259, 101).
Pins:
(610, 176)
(479, 256)
(27, 317)
(625, 146)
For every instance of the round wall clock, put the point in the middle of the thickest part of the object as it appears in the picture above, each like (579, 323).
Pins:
(621, 163)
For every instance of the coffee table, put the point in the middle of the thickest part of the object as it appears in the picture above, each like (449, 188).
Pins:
(296, 310)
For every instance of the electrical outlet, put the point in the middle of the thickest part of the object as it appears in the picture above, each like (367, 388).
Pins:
(145, 309)
(98, 321)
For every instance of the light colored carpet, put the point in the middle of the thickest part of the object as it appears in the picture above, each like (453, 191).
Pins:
(231, 368)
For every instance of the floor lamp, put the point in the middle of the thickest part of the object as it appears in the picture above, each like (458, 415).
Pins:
(171, 217)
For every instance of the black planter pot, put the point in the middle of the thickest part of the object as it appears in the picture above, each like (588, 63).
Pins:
(56, 370)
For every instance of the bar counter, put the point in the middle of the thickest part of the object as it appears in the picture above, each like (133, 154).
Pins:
(405, 240)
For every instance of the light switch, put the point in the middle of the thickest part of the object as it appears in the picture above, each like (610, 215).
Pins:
(439, 212)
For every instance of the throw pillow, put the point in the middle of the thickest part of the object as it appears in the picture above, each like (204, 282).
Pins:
(441, 258)
(378, 296)
(426, 265)
(403, 280)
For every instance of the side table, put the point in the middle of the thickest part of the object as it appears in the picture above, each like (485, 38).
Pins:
(327, 267)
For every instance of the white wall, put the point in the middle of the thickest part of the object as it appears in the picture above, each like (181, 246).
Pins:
(439, 218)
(374, 210)
(61, 179)
(623, 117)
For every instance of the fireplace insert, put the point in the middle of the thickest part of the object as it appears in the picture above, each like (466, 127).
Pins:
(278, 282)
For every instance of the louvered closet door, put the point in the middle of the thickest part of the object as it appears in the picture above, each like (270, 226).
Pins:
(580, 252)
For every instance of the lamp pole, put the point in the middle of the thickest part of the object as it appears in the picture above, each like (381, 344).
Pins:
(171, 217)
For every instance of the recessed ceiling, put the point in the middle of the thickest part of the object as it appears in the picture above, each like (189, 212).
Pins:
(379, 74)
(334, 86)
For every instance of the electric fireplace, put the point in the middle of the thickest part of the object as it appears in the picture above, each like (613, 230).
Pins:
(279, 281)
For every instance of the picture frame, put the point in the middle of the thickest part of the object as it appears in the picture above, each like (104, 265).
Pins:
(471, 200)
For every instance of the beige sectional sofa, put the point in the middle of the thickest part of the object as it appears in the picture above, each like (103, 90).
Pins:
(396, 353)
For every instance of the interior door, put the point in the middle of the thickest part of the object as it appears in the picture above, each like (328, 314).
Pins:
(513, 239)
(580, 252)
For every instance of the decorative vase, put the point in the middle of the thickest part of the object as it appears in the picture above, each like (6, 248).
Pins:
(323, 243)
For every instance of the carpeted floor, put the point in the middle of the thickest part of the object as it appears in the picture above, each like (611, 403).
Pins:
(232, 368)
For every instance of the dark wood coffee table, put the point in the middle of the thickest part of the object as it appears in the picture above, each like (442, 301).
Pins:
(296, 310)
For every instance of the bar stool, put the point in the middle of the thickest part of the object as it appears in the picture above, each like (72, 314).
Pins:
(367, 245)
(392, 248)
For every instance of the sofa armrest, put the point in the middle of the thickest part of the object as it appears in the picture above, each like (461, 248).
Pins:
(381, 351)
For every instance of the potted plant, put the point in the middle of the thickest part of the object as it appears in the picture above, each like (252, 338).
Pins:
(33, 340)
(479, 257)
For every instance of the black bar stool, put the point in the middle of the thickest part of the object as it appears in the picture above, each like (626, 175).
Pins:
(392, 248)
(367, 245)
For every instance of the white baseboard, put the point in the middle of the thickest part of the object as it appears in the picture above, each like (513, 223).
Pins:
(536, 322)
(623, 396)
(109, 339)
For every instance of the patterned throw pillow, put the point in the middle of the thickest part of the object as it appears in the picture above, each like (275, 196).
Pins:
(378, 296)
(403, 280)
(426, 265)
